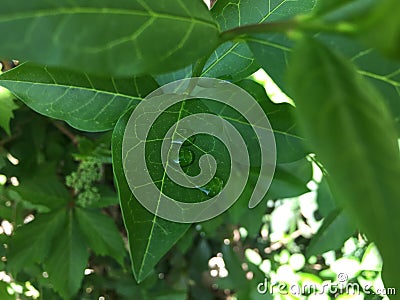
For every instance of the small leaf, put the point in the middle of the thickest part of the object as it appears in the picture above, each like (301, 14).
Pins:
(67, 259)
(150, 237)
(326, 203)
(131, 37)
(101, 233)
(290, 179)
(43, 188)
(7, 106)
(354, 137)
(86, 102)
(335, 230)
(32, 241)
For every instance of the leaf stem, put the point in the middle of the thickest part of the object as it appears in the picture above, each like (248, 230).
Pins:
(272, 27)
(299, 24)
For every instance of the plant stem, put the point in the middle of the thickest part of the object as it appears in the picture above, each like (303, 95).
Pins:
(300, 24)
(66, 132)
(273, 27)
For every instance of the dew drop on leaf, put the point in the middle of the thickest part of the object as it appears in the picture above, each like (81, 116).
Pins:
(213, 188)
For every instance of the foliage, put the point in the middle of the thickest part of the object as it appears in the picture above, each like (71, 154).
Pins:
(71, 227)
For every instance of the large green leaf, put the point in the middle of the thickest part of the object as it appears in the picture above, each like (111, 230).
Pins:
(353, 135)
(234, 60)
(87, 102)
(67, 258)
(129, 37)
(32, 242)
(150, 237)
(101, 233)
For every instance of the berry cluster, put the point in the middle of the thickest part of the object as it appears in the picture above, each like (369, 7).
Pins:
(83, 179)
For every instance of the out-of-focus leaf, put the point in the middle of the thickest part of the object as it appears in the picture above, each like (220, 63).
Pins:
(324, 6)
(383, 73)
(354, 137)
(2, 162)
(335, 230)
(326, 203)
(4, 295)
(382, 28)
(7, 106)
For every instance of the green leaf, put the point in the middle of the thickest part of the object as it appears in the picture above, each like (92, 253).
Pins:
(289, 143)
(326, 203)
(233, 60)
(67, 259)
(108, 197)
(383, 73)
(86, 102)
(7, 106)
(32, 242)
(343, 10)
(354, 137)
(290, 179)
(43, 188)
(150, 237)
(336, 228)
(101, 233)
(272, 52)
(325, 6)
(132, 37)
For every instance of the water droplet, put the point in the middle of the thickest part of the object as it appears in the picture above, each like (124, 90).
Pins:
(213, 188)
(186, 157)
